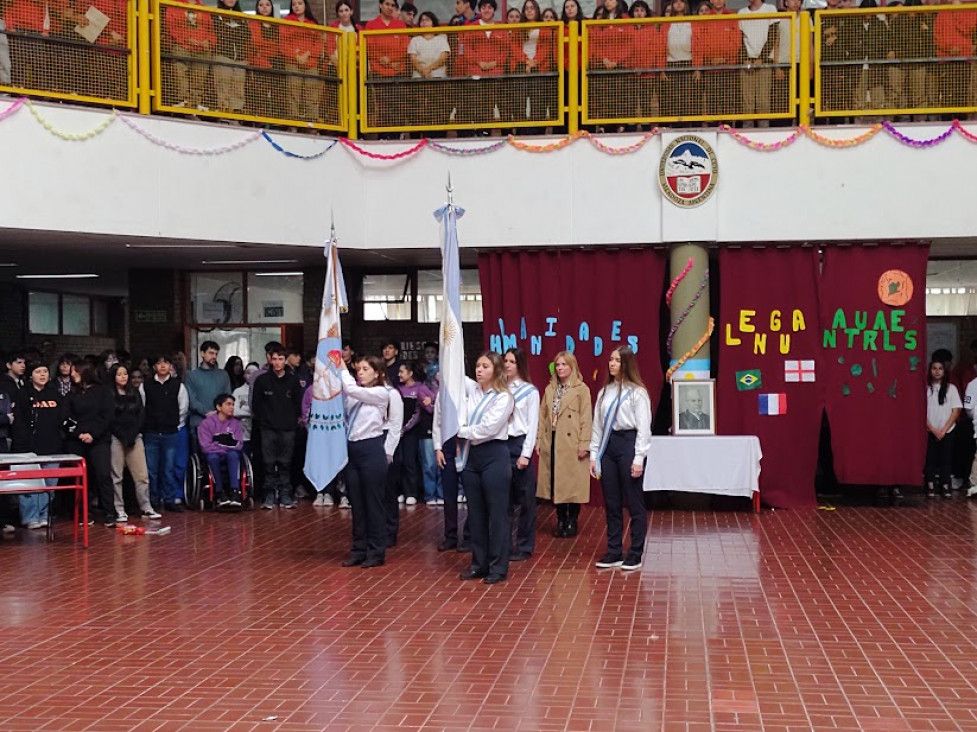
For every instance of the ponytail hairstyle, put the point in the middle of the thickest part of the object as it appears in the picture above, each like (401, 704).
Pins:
(522, 365)
(944, 382)
(376, 363)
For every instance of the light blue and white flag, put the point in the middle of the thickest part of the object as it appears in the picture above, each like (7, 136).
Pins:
(451, 401)
(326, 455)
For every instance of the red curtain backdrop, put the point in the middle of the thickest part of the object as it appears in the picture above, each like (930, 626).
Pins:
(770, 290)
(599, 298)
(875, 363)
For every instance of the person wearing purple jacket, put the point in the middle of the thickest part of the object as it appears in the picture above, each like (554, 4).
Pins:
(221, 437)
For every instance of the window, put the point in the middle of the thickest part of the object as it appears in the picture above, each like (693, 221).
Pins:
(44, 312)
(217, 297)
(429, 296)
(951, 287)
(274, 298)
(100, 317)
(386, 297)
(76, 315)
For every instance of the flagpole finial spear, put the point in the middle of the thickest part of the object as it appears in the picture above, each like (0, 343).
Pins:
(450, 190)
(332, 223)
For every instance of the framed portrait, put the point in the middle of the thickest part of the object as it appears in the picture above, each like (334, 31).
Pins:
(694, 407)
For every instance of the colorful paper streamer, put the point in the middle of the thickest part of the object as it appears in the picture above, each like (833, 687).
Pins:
(675, 282)
(685, 313)
(692, 351)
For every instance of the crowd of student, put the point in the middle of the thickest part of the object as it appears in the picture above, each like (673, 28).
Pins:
(247, 66)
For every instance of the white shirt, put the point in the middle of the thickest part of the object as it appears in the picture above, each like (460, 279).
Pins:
(679, 42)
(755, 32)
(368, 408)
(427, 51)
(633, 414)
(525, 415)
(395, 420)
(937, 414)
(493, 422)
(182, 400)
(242, 408)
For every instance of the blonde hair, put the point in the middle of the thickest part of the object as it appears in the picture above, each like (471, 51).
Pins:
(499, 382)
(575, 377)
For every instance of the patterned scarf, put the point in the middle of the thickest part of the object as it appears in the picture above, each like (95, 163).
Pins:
(561, 390)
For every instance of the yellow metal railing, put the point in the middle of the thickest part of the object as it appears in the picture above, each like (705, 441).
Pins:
(895, 61)
(700, 68)
(58, 52)
(166, 56)
(230, 65)
(499, 76)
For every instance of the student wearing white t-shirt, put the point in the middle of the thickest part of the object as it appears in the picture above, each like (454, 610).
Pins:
(942, 410)
(428, 56)
(760, 47)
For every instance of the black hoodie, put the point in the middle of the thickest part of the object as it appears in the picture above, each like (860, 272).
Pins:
(38, 417)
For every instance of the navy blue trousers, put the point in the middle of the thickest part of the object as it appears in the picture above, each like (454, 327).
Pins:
(621, 490)
(366, 477)
(487, 477)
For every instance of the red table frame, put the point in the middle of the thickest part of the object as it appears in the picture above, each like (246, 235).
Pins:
(71, 466)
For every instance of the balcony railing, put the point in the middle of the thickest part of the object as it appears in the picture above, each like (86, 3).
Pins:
(169, 57)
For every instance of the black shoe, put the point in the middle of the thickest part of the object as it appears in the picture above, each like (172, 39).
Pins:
(609, 560)
(370, 563)
(463, 548)
(561, 530)
(571, 528)
(173, 507)
(631, 561)
(519, 557)
(494, 579)
(471, 574)
(354, 561)
(447, 545)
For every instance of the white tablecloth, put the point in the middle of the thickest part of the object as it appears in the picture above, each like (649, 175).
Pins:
(724, 465)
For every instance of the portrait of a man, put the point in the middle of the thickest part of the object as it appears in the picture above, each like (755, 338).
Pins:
(693, 407)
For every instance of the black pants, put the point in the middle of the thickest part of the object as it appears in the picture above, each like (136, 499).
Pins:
(98, 456)
(487, 477)
(410, 467)
(449, 485)
(390, 493)
(567, 511)
(366, 475)
(523, 497)
(277, 449)
(620, 490)
(939, 459)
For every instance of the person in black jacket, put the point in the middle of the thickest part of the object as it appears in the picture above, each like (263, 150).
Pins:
(127, 446)
(88, 420)
(276, 404)
(37, 428)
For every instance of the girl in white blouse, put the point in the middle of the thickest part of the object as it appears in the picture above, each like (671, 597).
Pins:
(522, 440)
(943, 407)
(619, 443)
(370, 452)
(487, 472)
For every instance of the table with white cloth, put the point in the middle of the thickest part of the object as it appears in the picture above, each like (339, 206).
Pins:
(725, 465)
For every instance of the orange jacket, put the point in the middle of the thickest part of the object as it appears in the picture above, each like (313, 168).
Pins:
(185, 25)
(25, 15)
(953, 32)
(545, 51)
(116, 10)
(297, 42)
(611, 42)
(392, 46)
(717, 42)
(649, 49)
(488, 43)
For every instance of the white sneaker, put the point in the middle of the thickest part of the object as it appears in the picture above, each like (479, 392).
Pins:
(344, 502)
(327, 499)
(972, 491)
(9, 528)
(411, 501)
(461, 498)
(121, 518)
(318, 499)
(440, 501)
(152, 515)
(400, 499)
(432, 502)
(34, 525)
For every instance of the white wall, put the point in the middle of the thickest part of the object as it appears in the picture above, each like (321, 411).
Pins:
(120, 183)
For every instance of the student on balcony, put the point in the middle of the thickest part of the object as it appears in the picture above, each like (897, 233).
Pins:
(31, 55)
(267, 89)
(487, 52)
(232, 48)
(191, 37)
(716, 44)
(387, 59)
(303, 51)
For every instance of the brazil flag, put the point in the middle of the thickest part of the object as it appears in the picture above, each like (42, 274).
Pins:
(748, 380)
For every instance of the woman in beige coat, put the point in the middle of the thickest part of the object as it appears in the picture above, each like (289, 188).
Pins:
(563, 443)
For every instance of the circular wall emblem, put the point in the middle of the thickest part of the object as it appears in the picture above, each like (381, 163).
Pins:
(688, 171)
(895, 288)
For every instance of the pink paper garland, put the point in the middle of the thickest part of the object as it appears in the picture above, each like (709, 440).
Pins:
(13, 108)
(379, 156)
(681, 276)
(188, 150)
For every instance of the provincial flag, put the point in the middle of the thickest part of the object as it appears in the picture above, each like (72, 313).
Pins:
(748, 380)
(326, 453)
(799, 371)
(772, 404)
(451, 401)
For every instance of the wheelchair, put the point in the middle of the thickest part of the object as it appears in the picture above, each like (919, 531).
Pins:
(199, 485)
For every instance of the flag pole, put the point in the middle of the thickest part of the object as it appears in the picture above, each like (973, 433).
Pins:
(450, 190)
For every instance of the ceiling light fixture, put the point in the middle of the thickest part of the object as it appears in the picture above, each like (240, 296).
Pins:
(183, 246)
(277, 274)
(87, 276)
(250, 261)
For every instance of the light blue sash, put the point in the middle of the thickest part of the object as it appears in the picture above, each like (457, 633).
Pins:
(522, 392)
(610, 417)
(351, 416)
(461, 457)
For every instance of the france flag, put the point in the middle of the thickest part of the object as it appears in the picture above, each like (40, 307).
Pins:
(773, 404)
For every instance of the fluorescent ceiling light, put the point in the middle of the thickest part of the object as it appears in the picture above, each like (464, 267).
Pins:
(250, 261)
(88, 276)
(277, 274)
(182, 246)
(9, 264)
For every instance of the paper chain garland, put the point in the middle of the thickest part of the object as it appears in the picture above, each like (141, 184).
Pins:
(681, 276)
(129, 119)
(703, 283)
(692, 351)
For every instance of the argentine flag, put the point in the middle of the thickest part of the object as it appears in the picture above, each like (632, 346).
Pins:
(326, 452)
(451, 401)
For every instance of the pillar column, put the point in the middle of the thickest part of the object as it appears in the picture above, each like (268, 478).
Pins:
(695, 323)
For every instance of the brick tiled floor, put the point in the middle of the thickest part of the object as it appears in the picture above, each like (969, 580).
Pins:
(853, 619)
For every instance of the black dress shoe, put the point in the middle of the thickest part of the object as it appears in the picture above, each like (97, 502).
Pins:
(571, 528)
(471, 574)
(173, 507)
(519, 557)
(561, 530)
(370, 563)
(353, 561)
(463, 548)
(447, 545)
(494, 579)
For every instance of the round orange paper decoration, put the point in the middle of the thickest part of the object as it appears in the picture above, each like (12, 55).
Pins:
(895, 288)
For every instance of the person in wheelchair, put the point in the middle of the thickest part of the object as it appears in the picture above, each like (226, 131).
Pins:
(221, 437)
